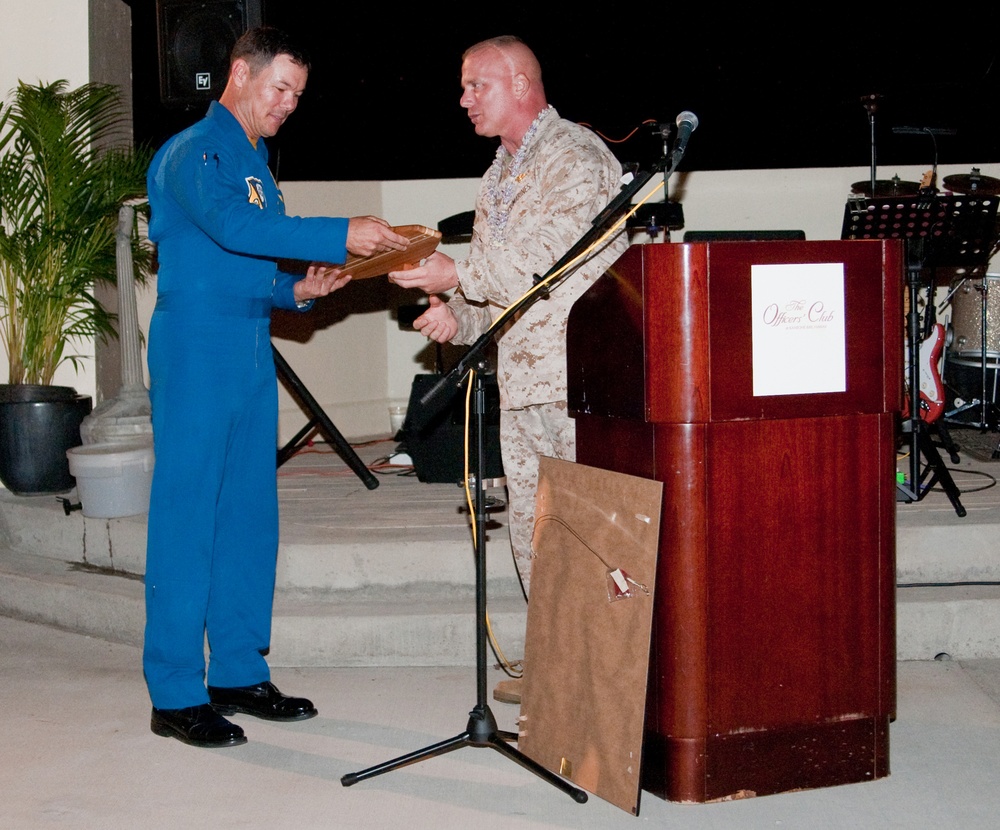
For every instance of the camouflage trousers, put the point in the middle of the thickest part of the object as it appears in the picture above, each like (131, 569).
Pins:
(525, 435)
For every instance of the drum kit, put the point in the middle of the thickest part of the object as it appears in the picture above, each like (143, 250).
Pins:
(970, 372)
(971, 184)
(954, 230)
(973, 357)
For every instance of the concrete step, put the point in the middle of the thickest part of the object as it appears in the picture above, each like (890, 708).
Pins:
(387, 588)
(960, 622)
(387, 578)
(324, 629)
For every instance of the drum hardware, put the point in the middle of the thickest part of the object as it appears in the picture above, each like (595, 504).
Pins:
(941, 230)
(894, 187)
(886, 187)
(973, 183)
(871, 103)
(979, 354)
(975, 317)
(965, 378)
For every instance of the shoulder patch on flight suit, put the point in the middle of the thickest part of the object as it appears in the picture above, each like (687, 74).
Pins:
(255, 192)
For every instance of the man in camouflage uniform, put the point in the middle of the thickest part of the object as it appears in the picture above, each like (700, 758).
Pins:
(549, 179)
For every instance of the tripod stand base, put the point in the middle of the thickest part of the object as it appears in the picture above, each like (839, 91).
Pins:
(320, 418)
(922, 480)
(481, 731)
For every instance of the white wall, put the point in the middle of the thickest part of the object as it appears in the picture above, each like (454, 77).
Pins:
(46, 41)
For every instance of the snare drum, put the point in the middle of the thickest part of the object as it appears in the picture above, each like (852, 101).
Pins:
(967, 319)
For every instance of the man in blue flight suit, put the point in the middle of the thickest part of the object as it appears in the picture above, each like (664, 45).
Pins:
(219, 223)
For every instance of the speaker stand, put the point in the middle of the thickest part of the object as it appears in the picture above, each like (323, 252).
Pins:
(319, 418)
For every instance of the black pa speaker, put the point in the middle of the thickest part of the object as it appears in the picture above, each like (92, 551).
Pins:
(436, 440)
(194, 39)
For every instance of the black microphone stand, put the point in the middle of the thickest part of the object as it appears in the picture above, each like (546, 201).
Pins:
(870, 103)
(481, 729)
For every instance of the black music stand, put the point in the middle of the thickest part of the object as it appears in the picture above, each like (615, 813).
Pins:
(321, 419)
(940, 230)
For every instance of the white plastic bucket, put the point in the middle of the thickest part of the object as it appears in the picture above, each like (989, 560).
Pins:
(112, 479)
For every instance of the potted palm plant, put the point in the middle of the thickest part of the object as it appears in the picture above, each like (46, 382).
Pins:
(67, 165)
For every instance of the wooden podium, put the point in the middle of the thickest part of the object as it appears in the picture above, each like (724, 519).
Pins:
(773, 644)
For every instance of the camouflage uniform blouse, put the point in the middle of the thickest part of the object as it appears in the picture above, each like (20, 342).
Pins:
(523, 227)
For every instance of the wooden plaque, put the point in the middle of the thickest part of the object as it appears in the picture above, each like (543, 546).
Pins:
(423, 242)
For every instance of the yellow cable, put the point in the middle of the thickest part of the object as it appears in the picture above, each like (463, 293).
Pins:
(505, 664)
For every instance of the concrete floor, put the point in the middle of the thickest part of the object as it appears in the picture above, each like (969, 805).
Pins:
(78, 751)
(78, 754)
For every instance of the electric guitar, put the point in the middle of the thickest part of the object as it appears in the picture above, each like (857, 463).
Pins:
(928, 366)
(931, 398)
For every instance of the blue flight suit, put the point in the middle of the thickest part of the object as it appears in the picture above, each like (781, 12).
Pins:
(218, 220)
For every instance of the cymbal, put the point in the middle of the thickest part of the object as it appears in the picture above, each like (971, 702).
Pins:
(886, 187)
(973, 183)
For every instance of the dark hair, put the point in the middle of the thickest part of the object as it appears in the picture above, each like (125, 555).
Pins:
(259, 46)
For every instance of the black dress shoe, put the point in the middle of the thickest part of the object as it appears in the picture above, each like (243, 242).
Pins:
(196, 725)
(262, 700)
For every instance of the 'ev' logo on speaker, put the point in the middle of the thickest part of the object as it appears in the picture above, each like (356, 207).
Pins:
(203, 80)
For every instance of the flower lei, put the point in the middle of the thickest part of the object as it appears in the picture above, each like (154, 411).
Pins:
(498, 203)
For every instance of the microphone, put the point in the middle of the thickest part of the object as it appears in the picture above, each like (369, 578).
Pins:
(687, 123)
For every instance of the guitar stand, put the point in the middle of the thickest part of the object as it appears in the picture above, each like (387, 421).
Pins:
(921, 480)
(481, 729)
(320, 418)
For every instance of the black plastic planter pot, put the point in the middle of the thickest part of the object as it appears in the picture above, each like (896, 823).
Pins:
(38, 424)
